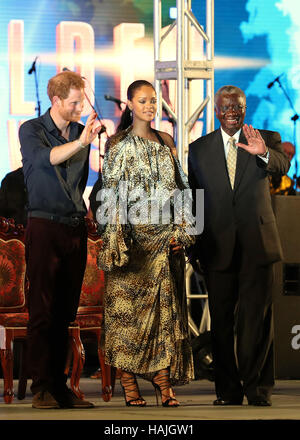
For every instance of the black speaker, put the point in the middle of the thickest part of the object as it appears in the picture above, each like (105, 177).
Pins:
(287, 289)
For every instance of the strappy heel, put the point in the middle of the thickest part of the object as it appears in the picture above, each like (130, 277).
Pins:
(161, 383)
(131, 390)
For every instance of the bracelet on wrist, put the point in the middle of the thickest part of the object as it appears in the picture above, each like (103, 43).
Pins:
(80, 144)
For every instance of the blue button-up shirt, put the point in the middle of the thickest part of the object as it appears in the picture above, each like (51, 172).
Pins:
(53, 189)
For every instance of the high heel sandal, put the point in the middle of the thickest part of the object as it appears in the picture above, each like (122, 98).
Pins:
(130, 385)
(162, 384)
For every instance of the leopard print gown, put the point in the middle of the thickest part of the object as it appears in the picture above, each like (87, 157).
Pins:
(146, 324)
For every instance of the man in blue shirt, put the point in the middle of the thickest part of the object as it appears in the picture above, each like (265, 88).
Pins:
(55, 154)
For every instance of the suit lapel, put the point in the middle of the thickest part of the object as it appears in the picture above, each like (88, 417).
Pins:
(217, 162)
(242, 161)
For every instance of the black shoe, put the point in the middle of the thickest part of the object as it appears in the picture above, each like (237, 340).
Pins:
(259, 402)
(162, 386)
(129, 385)
(68, 399)
(224, 402)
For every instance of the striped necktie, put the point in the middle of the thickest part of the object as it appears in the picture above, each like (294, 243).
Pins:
(231, 160)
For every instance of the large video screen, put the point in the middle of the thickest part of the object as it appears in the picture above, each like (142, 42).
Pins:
(110, 43)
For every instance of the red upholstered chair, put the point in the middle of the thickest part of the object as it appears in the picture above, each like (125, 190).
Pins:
(91, 309)
(13, 308)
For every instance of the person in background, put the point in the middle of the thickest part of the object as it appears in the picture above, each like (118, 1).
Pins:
(283, 185)
(55, 154)
(238, 247)
(13, 197)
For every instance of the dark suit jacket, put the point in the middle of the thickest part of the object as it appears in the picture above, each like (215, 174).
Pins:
(244, 212)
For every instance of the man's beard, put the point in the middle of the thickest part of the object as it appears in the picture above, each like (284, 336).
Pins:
(70, 116)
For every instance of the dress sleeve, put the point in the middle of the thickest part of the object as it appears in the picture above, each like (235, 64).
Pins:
(184, 232)
(111, 215)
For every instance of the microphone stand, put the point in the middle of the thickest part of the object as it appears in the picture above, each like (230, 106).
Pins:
(294, 119)
(38, 107)
(171, 120)
(102, 129)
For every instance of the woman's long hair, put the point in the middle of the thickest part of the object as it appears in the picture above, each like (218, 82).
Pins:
(126, 120)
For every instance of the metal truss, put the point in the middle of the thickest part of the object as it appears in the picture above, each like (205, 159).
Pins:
(184, 70)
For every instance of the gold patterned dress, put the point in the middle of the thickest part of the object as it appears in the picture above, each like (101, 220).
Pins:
(146, 326)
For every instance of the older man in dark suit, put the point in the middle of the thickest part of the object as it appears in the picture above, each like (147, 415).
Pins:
(238, 247)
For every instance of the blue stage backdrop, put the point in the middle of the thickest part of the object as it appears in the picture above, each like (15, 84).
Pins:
(110, 43)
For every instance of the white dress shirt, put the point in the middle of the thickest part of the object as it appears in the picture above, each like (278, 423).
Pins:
(226, 138)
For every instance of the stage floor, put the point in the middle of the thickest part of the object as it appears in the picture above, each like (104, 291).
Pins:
(196, 405)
